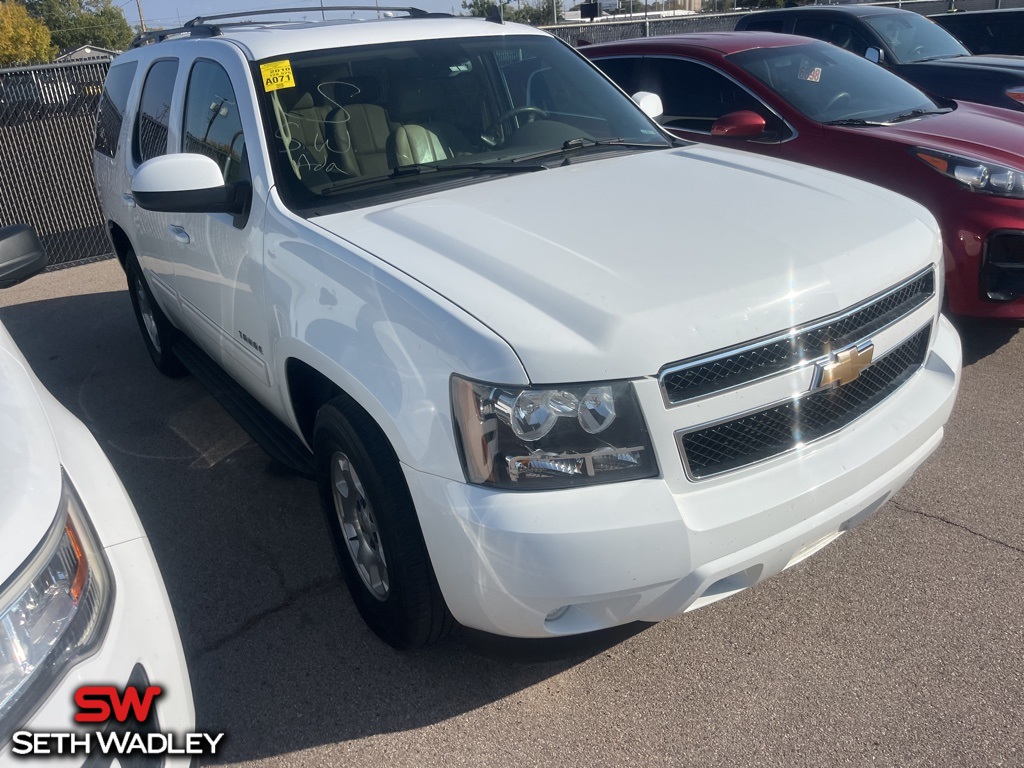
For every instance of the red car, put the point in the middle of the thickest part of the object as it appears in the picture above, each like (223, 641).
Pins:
(814, 103)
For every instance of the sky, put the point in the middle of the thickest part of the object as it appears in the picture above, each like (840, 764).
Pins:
(173, 13)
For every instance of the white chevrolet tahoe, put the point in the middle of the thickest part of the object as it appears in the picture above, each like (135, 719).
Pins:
(553, 370)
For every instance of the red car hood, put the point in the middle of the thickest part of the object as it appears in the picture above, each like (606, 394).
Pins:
(988, 133)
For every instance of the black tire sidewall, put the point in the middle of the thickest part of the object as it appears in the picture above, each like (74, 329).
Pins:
(403, 618)
(163, 358)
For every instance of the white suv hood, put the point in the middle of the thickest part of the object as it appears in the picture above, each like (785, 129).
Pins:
(612, 268)
(30, 478)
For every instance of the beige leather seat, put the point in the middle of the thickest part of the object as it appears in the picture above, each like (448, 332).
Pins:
(359, 126)
(420, 137)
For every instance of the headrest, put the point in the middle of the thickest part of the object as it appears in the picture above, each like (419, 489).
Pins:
(416, 98)
(352, 90)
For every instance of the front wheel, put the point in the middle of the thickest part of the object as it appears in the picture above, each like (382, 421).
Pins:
(157, 331)
(376, 534)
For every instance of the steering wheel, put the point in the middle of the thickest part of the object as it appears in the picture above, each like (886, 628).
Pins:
(836, 100)
(504, 117)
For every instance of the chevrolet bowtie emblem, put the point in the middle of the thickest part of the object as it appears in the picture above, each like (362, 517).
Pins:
(846, 365)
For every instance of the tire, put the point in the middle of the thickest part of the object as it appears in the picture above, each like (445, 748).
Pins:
(157, 331)
(375, 530)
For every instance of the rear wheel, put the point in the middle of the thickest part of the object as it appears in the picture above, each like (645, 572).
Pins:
(157, 331)
(376, 534)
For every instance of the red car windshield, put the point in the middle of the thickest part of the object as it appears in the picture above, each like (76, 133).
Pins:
(828, 84)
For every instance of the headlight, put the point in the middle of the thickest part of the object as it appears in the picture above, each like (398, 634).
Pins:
(52, 612)
(526, 438)
(977, 175)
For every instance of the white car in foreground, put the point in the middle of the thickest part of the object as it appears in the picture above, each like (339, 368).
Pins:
(81, 598)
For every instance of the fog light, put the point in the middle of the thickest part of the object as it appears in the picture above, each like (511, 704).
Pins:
(556, 614)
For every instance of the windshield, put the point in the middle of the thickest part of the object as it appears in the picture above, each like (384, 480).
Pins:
(828, 84)
(912, 37)
(349, 124)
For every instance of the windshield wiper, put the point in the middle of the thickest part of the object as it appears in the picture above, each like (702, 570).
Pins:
(940, 56)
(916, 113)
(582, 142)
(854, 121)
(405, 171)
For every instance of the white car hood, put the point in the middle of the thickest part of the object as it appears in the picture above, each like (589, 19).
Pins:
(612, 268)
(30, 479)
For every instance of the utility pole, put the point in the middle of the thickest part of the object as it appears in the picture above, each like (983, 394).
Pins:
(142, 21)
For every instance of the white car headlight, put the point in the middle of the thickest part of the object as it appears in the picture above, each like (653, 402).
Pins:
(528, 438)
(977, 175)
(52, 612)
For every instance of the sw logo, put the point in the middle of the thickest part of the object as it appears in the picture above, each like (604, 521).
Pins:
(97, 703)
(120, 717)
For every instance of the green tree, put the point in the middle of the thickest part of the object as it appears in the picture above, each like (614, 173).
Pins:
(23, 40)
(537, 13)
(74, 23)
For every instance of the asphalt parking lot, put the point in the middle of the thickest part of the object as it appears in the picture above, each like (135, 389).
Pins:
(900, 644)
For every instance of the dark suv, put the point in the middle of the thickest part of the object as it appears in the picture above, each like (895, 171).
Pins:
(909, 44)
(999, 31)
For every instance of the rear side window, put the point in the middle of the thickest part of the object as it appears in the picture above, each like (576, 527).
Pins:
(113, 102)
(150, 135)
(213, 126)
(765, 25)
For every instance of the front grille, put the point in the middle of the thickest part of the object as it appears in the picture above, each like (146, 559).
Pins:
(730, 368)
(758, 436)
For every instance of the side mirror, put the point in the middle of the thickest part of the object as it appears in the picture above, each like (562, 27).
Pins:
(187, 183)
(874, 55)
(21, 254)
(739, 125)
(650, 103)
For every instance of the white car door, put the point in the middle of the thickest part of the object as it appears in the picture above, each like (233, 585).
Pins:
(219, 267)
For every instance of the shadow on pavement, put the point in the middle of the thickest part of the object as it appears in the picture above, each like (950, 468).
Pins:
(982, 337)
(279, 658)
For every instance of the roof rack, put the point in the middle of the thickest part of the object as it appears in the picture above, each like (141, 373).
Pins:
(200, 26)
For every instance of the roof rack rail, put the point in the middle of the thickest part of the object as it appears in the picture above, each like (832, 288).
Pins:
(200, 26)
(201, 20)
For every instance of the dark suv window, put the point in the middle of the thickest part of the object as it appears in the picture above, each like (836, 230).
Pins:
(150, 136)
(213, 126)
(110, 116)
(836, 32)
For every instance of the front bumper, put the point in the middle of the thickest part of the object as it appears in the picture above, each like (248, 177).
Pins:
(647, 550)
(984, 243)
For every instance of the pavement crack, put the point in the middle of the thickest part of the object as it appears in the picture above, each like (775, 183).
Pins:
(253, 621)
(961, 526)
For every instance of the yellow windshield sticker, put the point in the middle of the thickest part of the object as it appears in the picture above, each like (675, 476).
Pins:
(277, 75)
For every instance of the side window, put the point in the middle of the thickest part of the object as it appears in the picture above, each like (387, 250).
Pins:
(764, 25)
(212, 125)
(694, 96)
(838, 33)
(150, 135)
(624, 70)
(113, 102)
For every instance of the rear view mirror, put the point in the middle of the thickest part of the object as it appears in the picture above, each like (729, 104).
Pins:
(650, 103)
(187, 183)
(739, 125)
(874, 55)
(21, 254)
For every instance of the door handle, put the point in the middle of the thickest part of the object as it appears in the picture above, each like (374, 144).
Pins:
(180, 234)
(128, 200)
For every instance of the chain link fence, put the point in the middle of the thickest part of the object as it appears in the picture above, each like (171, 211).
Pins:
(47, 115)
(606, 31)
